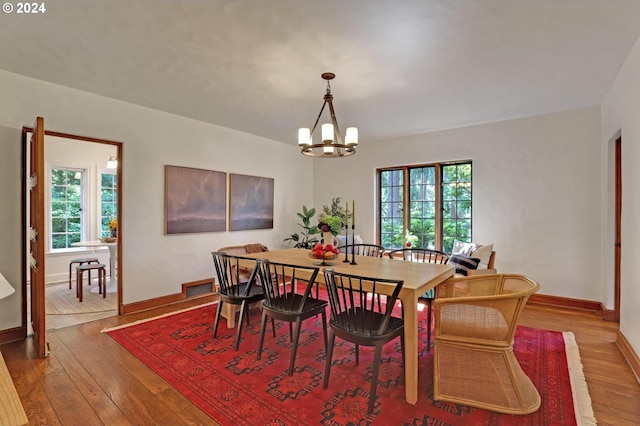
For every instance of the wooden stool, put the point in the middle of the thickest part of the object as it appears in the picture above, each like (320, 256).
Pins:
(102, 278)
(82, 261)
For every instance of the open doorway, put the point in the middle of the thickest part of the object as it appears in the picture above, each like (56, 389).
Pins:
(82, 196)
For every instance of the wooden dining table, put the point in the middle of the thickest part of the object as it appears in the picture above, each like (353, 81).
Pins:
(417, 277)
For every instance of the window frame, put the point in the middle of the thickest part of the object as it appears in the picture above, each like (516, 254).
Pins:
(102, 223)
(406, 198)
(84, 216)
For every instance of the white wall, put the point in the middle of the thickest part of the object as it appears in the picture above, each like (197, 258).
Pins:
(621, 115)
(153, 264)
(536, 192)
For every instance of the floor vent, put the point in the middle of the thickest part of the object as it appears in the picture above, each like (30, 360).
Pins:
(199, 288)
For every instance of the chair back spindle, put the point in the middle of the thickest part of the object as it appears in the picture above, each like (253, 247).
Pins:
(280, 282)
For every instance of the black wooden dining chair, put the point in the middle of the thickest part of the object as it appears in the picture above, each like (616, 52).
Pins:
(425, 256)
(357, 317)
(235, 288)
(283, 302)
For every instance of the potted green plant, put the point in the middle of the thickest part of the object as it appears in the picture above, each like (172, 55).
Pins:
(305, 239)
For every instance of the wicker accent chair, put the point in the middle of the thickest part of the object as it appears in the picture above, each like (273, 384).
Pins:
(424, 256)
(474, 364)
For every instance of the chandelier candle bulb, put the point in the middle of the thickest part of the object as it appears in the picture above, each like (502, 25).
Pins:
(351, 137)
(327, 132)
(304, 136)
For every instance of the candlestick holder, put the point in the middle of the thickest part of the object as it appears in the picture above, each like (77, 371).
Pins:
(346, 244)
(353, 248)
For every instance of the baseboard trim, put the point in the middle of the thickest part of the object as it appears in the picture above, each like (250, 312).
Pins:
(565, 302)
(170, 299)
(629, 354)
(13, 335)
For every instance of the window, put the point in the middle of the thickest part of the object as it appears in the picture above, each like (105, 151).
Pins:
(432, 202)
(67, 215)
(108, 201)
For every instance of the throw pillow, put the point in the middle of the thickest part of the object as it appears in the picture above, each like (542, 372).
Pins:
(462, 248)
(464, 264)
(342, 240)
(483, 253)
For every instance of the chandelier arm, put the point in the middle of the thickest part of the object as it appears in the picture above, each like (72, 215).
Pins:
(335, 124)
(317, 119)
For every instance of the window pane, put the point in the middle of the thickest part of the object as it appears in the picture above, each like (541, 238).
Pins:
(422, 201)
(58, 225)
(391, 208)
(58, 241)
(457, 204)
(108, 202)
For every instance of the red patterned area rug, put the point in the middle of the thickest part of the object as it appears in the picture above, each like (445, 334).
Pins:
(234, 388)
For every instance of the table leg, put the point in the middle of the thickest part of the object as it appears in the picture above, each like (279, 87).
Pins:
(229, 312)
(411, 348)
(112, 282)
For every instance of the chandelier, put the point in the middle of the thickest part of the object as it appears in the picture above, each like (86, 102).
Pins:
(332, 144)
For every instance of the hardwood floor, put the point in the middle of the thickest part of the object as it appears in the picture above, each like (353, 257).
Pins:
(89, 379)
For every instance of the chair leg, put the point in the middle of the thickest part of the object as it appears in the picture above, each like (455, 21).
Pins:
(243, 307)
(215, 324)
(104, 283)
(329, 357)
(374, 377)
(291, 332)
(70, 264)
(273, 327)
(294, 346)
(357, 354)
(324, 329)
(263, 327)
(247, 313)
(79, 285)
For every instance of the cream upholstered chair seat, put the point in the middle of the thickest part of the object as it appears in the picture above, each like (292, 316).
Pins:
(475, 321)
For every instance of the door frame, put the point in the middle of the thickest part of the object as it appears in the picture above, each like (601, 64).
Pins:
(25, 172)
(618, 228)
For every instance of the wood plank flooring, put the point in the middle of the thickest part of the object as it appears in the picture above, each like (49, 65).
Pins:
(88, 379)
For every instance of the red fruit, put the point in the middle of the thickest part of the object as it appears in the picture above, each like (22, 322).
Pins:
(336, 251)
(328, 247)
(408, 244)
(318, 247)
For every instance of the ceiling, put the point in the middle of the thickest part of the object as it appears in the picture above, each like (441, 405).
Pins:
(402, 67)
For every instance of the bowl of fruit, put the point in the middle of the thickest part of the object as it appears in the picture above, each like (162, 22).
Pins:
(324, 252)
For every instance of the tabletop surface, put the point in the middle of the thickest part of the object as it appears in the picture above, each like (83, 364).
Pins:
(414, 274)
